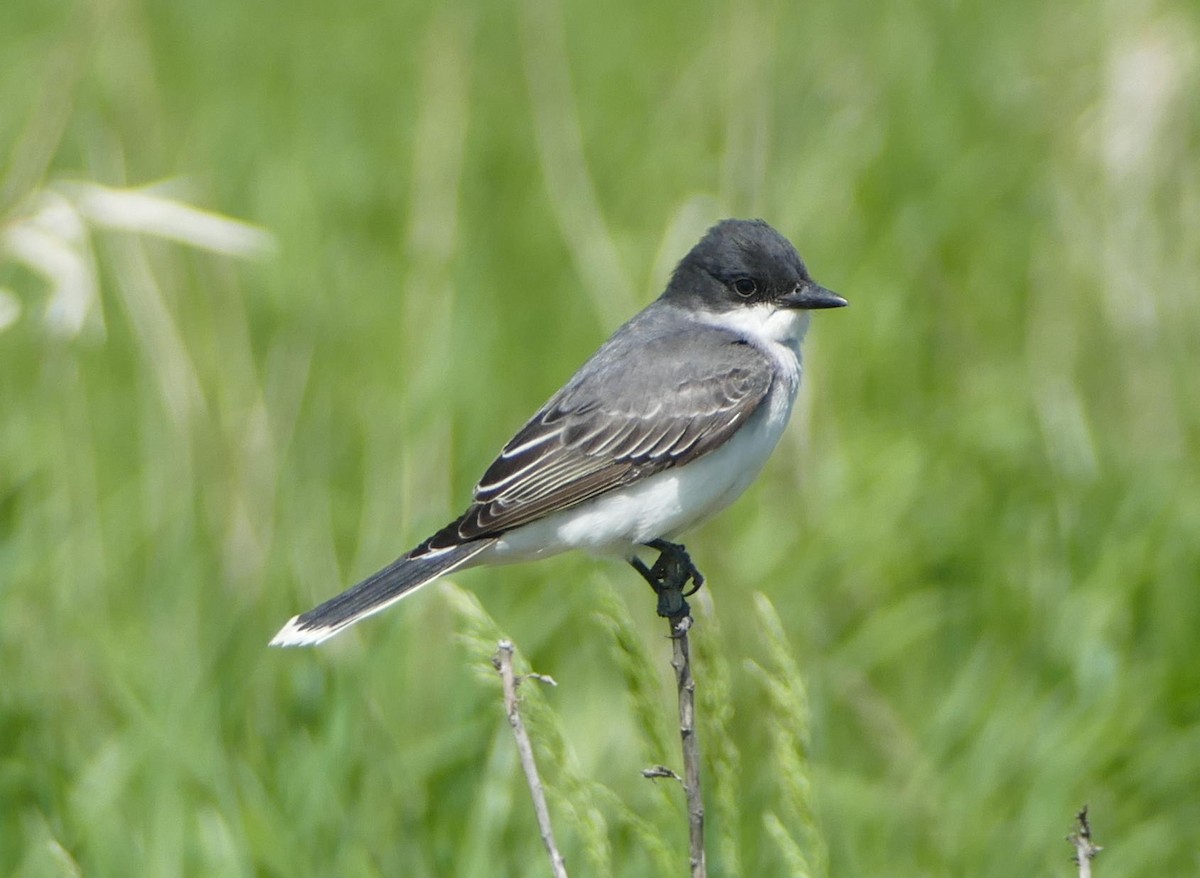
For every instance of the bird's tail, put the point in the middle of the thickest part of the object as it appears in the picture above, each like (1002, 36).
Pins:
(375, 593)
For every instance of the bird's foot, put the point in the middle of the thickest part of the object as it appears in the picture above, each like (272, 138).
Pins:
(669, 577)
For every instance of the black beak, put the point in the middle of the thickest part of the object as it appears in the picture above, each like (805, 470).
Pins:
(810, 296)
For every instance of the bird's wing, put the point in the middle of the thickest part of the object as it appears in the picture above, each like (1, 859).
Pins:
(620, 419)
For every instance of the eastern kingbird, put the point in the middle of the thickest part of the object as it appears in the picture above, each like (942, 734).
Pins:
(666, 424)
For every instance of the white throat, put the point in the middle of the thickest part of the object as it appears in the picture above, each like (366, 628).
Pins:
(762, 323)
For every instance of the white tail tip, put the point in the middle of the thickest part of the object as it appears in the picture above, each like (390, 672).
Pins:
(292, 634)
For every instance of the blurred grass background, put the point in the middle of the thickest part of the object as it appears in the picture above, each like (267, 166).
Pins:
(978, 544)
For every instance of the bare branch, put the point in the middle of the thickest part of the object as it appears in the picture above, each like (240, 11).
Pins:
(1085, 850)
(503, 662)
(656, 771)
(681, 662)
(669, 577)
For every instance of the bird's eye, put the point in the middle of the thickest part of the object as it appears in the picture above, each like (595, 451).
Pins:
(745, 287)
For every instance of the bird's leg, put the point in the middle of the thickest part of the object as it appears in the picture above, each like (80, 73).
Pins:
(669, 600)
(640, 566)
(669, 576)
(679, 556)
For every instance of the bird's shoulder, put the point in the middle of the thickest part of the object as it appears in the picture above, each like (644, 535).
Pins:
(662, 361)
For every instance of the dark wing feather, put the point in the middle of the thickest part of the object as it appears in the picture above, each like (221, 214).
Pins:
(621, 418)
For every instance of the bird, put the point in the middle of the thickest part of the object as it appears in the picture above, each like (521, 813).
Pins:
(666, 424)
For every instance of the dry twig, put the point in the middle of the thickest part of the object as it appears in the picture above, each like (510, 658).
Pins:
(670, 575)
(657, 771)
(681, 662)
(1085, 850)
(503, 662)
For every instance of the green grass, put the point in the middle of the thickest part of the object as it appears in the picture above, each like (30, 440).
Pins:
(979, 538)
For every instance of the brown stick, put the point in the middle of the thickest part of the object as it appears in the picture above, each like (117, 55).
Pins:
(1085, 850)
(668, 577)
(503, 662)
(681, 662)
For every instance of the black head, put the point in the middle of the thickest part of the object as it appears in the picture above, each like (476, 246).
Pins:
(746, 262)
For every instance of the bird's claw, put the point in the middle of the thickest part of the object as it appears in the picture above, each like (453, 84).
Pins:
(669, 576)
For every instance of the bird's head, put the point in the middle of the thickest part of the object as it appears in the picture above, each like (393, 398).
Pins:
(740, 263)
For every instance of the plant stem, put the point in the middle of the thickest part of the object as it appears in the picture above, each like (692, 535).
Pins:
(503, 662)
(686, 684)
(1085, 850)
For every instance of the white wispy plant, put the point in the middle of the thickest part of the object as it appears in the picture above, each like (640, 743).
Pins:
(50, 233)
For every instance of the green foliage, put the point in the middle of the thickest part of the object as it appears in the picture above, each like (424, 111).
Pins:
(720, 745)
(978, 538)
(787, 719)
